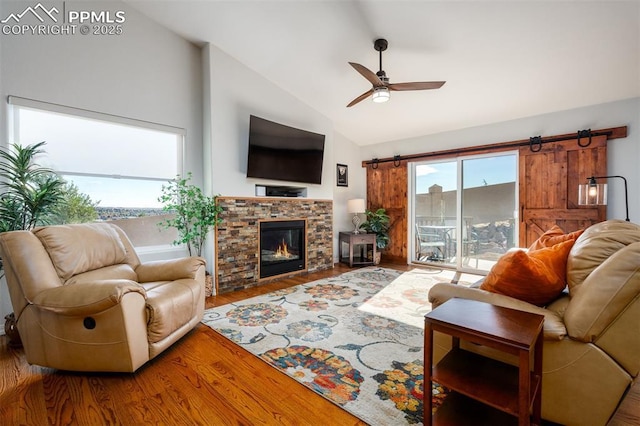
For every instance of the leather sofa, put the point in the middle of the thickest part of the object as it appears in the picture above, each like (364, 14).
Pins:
(591, 332)
(83, 301)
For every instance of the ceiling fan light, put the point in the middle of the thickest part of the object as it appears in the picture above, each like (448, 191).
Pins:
(380, 94)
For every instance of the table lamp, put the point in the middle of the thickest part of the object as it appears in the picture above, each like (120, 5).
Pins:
(356, 206)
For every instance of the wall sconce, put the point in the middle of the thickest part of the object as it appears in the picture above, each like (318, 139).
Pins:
(593, 193)
(356, 206)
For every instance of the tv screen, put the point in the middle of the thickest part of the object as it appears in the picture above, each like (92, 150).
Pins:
(281, 152)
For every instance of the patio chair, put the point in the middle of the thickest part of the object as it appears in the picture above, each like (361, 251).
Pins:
(470, 243)
(431, 243)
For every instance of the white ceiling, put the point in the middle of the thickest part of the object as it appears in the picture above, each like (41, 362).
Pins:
(501, 60)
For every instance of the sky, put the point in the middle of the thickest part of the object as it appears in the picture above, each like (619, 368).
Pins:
(126, 165)
(476, 172)
(125, 193)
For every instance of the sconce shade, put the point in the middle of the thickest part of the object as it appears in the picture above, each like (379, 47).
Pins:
(357, 205)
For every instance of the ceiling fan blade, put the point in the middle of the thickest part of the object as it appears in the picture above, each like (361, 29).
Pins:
(360, 98)
(368, 74)
(418, 85)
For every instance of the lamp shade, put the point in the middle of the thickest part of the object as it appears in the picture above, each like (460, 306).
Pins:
(357, 205)
(381, 94)
(592, 194)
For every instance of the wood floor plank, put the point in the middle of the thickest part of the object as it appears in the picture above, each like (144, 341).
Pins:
(628, 414)
(99, 391)
(58, 400)
(158, 403)
(241, 378)
(199, 381)
(21, 389)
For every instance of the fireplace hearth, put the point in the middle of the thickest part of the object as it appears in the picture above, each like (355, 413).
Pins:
(282, 247)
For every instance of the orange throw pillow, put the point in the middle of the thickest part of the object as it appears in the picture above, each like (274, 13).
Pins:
(554, 236)
(537, 277)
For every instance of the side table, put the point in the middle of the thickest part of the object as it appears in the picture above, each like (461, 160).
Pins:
(352, 240)
(516, 391)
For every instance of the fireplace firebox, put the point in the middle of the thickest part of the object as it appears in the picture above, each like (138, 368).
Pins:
(282, 247)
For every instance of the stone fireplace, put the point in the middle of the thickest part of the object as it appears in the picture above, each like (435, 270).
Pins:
(238, 242)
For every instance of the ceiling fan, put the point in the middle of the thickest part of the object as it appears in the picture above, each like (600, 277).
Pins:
(380, 81)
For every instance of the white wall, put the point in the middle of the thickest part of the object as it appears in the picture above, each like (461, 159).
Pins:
(347, 153)
(623, 155)
(234, 93)
(146, 73)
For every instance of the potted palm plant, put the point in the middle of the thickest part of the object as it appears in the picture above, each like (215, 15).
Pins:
(29, 194)
(377, 222)
(194, 216)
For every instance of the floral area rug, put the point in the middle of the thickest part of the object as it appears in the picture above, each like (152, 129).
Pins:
(356, 339)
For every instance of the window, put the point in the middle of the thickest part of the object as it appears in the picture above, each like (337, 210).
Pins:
(120, 163)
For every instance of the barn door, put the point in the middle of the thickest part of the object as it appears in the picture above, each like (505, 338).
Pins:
(549, 182)
(387, 188)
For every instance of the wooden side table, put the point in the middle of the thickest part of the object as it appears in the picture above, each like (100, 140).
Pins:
(498, 386)
(352, 240)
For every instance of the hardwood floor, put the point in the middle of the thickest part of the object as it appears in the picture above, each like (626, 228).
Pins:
(628, 413)
(202, 379)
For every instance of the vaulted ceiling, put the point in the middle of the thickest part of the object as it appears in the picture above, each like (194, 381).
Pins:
(501, 60)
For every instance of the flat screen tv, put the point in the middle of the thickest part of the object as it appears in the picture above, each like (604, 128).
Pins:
(284, 153)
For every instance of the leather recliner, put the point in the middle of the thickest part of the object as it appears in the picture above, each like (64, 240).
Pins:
(83, 301)
(591, 333)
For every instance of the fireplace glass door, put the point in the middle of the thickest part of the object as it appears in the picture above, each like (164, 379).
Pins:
(282, 247)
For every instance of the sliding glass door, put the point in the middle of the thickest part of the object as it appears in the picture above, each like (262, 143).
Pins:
(463, 210)
(435, 209)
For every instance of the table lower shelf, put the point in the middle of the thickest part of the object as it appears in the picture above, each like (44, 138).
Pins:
(458, 409)
(486, 380)
(357, 260)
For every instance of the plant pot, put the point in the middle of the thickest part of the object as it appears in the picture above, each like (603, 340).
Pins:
(377, 257)
(208, 285)
(11, 330)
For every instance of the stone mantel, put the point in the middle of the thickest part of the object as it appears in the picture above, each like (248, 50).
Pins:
(237, 236)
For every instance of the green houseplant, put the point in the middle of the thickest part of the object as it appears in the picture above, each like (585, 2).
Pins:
(194, 216)
(195, 213)
(29, 193)
(378, 223)
(32, 195)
